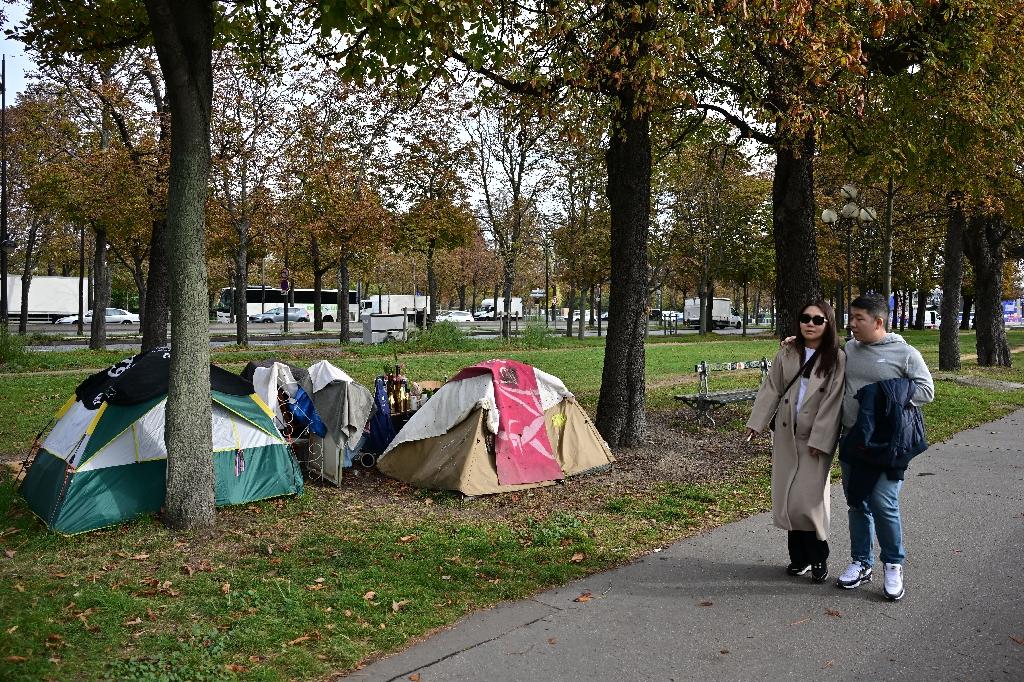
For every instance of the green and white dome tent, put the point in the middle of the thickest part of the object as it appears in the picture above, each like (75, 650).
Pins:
(105, 462)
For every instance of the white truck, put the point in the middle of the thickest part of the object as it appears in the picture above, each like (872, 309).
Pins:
(390, 304)
(722, 315)
(49, 298)
(488, 311)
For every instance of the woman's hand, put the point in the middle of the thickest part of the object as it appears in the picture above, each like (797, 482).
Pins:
(750, 433)
(815, 452)
(788, 341)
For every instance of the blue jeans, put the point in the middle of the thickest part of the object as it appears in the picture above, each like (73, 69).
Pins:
(878, 515)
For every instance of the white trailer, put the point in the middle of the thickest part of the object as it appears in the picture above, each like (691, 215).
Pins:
(48, 298)
(489, 311)
(391, 304)
(721, 313)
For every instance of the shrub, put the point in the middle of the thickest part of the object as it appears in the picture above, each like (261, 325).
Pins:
(12, 347)
(440, 336)
(537, 335)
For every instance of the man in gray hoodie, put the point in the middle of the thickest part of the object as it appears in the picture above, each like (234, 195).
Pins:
(875, 355)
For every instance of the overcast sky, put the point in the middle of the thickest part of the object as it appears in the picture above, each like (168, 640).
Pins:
(17, 62)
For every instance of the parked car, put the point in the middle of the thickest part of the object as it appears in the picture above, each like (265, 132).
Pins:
(295, 314)
(113, 316)
(455, 316)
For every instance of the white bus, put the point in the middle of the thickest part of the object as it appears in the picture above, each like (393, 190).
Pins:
(260, 299)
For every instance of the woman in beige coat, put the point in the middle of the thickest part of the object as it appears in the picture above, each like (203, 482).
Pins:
(805, 384)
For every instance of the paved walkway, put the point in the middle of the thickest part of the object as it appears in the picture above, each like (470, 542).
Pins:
(718, 607)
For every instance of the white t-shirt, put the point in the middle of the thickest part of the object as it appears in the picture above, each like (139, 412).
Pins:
(808, 352)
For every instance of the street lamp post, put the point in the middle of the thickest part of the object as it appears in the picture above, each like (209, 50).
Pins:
(6, 244)
(851, 211)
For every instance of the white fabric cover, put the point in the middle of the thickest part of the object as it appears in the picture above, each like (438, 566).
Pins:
(454, 401)
(144, 440)
(266, 380)
(68, 430)
(323, 373)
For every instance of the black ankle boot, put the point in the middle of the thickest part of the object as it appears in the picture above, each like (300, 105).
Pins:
(819, 572)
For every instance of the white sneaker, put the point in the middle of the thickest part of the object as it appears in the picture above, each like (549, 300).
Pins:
(854, 576)
(893, 587)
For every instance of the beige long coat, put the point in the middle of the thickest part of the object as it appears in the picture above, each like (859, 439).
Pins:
(800, 495)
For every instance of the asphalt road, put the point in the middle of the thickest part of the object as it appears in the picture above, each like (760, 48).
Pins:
(718, 606)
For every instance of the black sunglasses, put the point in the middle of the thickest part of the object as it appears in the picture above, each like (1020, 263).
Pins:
(818, 320)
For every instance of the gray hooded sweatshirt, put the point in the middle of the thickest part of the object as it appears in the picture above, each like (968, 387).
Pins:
(889, 358)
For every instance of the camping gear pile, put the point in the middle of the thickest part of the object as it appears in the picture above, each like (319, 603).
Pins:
(105, 462)
(495, 427)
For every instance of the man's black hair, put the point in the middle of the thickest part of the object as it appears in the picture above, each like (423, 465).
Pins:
(873, 304)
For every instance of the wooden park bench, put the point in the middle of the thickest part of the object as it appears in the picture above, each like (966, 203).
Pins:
(704, 400)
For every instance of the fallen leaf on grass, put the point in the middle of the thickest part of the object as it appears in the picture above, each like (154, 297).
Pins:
(583, 598)
(370, 595)
(139, 557)
(225, 588)
(15, 659)
(19, 587)
(235, 668)
(305, 638)
(833, 613)
(150, 614)
(408, 538)
(577, 558)
(319, 580)
(133, 621)
(9, 553)
(706, 603)
(314, 588)
(11, 630)
(397, 605)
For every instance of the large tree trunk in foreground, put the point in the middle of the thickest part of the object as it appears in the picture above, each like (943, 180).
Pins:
(984, 248)
(621, 416)
(793, 223)
(183, 33)
(952, 279)
(101, 298)
(158, 298)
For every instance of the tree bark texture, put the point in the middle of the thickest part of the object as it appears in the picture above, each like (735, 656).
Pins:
(965, 313)
(621, 417)
(952, 280)
(101, 297)
(793, 224)
(432, 286)
(158, 299)
(983, 246)
(26, 275)
(343, 306)
(241, 298)
(183, 33)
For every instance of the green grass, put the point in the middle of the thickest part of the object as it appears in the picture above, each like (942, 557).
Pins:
(281, 589)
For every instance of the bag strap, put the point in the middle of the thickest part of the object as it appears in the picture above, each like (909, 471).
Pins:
(805, 365)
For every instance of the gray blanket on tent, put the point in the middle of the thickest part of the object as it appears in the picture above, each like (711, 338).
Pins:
(343, 405)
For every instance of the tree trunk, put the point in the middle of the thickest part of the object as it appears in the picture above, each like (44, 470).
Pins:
(709, 308)
(621, 416)
(101, 295)
(570, 305)
(139, 277)
(344, 316)
(746, 298)
(318, 313)
(462, 296)
(432, 286)
(583, 312)
(890, 194)
(26, 276)
(984, 248)
(508, 276)
(952, 279)
(241, 283)
(183, 34)
(154, 324)
(965, 315)
(793, 224)
(922, 303)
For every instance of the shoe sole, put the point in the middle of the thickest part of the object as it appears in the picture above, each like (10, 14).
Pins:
(852, 586)
(820, 579)
(798, 573)
(892, 597)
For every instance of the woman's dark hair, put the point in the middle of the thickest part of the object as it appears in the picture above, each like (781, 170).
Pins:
(828, 349)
